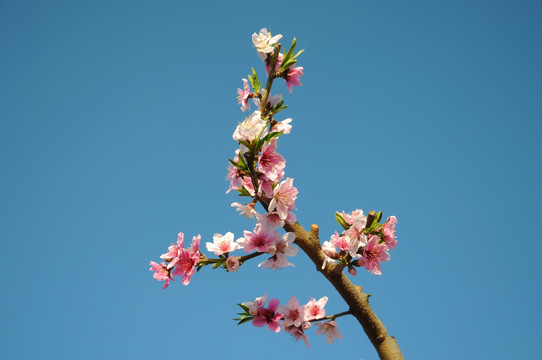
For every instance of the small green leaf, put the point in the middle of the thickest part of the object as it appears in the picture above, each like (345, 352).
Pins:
(243, 192)
(244, 307)
(245, 320)
(272, 135)
(244, 143)
(256, 84)
(340, 219)
(237, 165)
(291, 50)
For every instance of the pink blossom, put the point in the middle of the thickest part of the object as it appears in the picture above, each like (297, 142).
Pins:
(264, 43)
(263, 239)
(388, 232)
(356, 215)
(315, 309)
(293, 77)
(243, 96)
(297, 333)
(373, 254)
(284, 196)
(172, 256)
(293, 313)
(266, 186)
(268, 316)
(355, 233)
(275, 262)
(340, 241)
(251, 128)
(234, 174)
(161, 273)
(330, 252)
(271, 163)
(357, 222)
(188, 259)
(256, 305)
(222, 244)
(283, 126)
(282, 249)
(232, 263)
(291, 218)
(272, 219)
(330, 331)
(246, 210)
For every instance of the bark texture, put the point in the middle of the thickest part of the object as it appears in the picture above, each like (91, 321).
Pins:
(358, 301)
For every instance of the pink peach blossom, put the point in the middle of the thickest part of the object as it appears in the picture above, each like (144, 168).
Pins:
(356, 215)
(222, 244)
(262, 239)
(252, 127)
(373, 254)
(172, 256)
(269, 316)
(161, 273)
(293, 313)
(272, 219)
(330, 331)
(283, 126)
(264, 43)
(188, 259)
(315, 309)
(271, 163)
(298, 333)
(246, 210)
(232, 264)
(256, 305)
(243, 95)
(388, 232)
(340, 241)
(284, 196)
(293, 77)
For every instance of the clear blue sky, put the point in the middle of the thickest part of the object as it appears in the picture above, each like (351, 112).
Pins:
(115, 128)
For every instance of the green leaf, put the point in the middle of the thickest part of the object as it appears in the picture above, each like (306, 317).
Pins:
(291, 50)
(243, 192)
(379, 216)
(245, 320)
(256, 84)
(244, 307)
(340, 219)
(286, 61)
(244, 143)
(237, 165)
(272, 135)
(242, 162)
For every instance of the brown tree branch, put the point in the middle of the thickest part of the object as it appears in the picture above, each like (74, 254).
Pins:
(385, 344)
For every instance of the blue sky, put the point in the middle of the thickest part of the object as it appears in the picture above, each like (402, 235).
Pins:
(115, 129)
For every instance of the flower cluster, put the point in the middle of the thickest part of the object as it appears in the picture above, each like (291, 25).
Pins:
(178, 261)
(364, 241)
(292, 318)
(263, 239)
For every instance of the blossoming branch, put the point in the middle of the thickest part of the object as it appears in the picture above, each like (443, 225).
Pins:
(257, 172)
